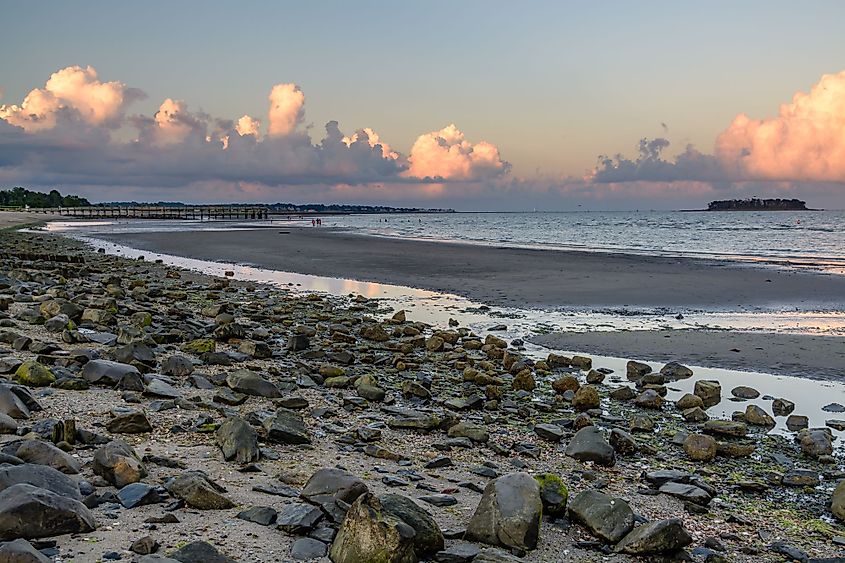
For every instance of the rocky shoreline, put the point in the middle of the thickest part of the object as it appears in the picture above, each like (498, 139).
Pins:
(152, 414)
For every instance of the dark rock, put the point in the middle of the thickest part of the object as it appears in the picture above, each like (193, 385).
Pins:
(664, 536)
(509, 513)
(428, 536)
(589, 444)
(31, 512)
(238, 441)
(198, 491)
(263, 515)
(368, 533)
(607, 518)
(287, 427)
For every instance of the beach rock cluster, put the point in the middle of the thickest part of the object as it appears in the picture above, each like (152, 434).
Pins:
(171, 416)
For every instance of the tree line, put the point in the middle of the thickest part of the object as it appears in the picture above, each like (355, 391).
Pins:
(21, 197)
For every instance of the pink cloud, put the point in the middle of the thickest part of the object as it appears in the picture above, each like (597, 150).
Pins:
(287, 109)
(446, 154)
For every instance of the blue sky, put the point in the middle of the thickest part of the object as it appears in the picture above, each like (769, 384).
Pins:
(551, 84)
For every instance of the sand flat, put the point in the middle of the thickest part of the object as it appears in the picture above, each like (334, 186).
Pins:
(508, 276)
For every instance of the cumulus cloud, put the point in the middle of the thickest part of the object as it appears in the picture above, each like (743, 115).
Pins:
(74, 90)
(287, 109)
(248, 126)
(373, 140)
(651, 166)
(806, 141)
(447, 155)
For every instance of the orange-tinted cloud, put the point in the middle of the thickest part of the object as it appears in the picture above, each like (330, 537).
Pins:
(806, 141)
(446, 154)
(287, 109)
(248, 126)
(73, 89)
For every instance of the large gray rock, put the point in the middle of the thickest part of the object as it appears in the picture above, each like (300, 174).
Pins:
(509, 513)
(198, 491)
(117, 463)
(43, 453)
(606, 517)
(21, 551)
(428, 536)
(238, 441)
(12, 404)
(32, 512)
(710, 392)
(250, 383)
(108, 373)
(178, 366)
(333, 490)
(200, 552)
(287, 427)
(589, 444)
(40, 476)
(664, 536)
(369, 533)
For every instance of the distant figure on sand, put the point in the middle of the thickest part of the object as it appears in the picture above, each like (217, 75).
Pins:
(313, 223)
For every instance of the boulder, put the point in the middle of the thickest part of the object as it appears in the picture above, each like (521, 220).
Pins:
(369, 533)
(509, 513)
(177, 365)
(111, 374)
(745, 392)
(700, 447)
(197, 552)
(287, 427)
(250, 383)
(709, 391)
(238, 441)
(131, 422)
(608, 518)
(40, 476)
(635, 370)
(586, 398)
(589, 444)
(664, 536)
(837, 503)
(33, 512)
(553, 493)
(198, 491)
(117, 463)
(44, 453)
(758, 417)
(689, 401)
(21, 551)
(33, 374)
(428, 536)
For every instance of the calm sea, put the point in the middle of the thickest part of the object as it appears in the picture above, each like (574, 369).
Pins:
(803, 238)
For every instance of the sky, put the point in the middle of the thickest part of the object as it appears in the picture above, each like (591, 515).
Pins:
(475, 105)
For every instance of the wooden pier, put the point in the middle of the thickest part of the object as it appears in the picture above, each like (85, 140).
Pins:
(192, 212)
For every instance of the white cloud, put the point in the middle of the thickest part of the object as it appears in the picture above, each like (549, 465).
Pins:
(447, 155)
(287, 109)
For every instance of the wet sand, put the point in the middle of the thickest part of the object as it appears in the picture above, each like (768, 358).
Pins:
(13, 219)
(509, 276)
(816, 357)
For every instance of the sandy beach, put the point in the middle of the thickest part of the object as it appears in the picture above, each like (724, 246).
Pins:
(15, 219)
(508, 276)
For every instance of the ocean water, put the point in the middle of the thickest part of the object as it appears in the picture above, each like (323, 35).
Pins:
(801, 238)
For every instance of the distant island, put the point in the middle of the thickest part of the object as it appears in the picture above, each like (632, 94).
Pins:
(755, 204)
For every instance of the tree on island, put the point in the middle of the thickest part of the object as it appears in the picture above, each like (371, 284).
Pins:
(21, 197)
(756, 204)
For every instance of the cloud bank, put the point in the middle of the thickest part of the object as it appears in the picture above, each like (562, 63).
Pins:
(77, 133)
(74, 131)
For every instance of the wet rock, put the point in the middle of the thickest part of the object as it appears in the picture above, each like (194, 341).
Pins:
(368, 533)
(551, 432)
(589, 444)
(509, 513)
(695, 414)
(428, 537)
(635, 370)
(553, 493)
(782, 407)
(581, 362)
(329, 486)
(687, 492)
(566, 383)
(709, 391)
(796, 422)
(744, 392)
(458, 553)
(649, 399)
(287, 427)
(700, 447)
(664, 536)
(689, 401)
(31, 512)
(586, 398)
(117, 463)
(837, 504)
(675, 371)
(815, 442)
(238, 441)
(43, 453)
(623, 393)
(758, 417)
(726, 428)
(622, 442)
(198, 491)
(608, 518)
(800, 477)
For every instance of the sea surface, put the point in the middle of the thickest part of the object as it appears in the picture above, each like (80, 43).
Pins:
(814, 239)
